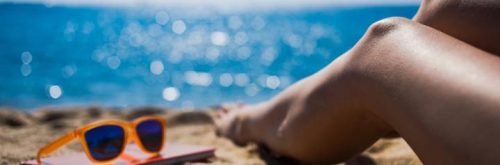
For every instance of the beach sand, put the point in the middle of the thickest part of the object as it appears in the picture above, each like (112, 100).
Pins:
(23, 133)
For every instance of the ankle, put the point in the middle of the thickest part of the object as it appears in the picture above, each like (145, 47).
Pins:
(242, 127)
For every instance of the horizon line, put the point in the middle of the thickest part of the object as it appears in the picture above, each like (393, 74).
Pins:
(222, 5)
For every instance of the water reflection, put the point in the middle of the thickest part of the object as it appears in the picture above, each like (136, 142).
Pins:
(69, 70)
(156, 67)
(240, 38)
(252, 90)
(113, 62)
(226, 80)
(25, 69)
(166, 56)
(235, 22)
(198, 78)
(241, 79)
(219, 38)
(272, 82)
(162, 17)
(55, 91)
(178, 27)
(171, 94)
(26, 57)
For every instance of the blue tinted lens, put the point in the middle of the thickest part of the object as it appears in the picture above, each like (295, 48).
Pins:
(150, 134)
(105, 142)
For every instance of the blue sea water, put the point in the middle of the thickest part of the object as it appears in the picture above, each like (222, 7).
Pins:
(121, 57)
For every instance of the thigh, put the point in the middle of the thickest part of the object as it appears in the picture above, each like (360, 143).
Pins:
(442, 95)
(476, 22)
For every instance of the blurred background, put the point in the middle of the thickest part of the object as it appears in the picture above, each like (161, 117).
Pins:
(180, 54)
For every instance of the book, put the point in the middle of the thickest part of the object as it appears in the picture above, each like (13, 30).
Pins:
(173, 153)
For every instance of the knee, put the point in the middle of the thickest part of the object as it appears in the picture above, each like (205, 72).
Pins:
(380, 36)
(380, 45)
(386, 26)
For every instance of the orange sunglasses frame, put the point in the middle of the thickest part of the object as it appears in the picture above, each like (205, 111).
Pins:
(128, 127)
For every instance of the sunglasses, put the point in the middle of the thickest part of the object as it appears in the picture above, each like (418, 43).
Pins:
(104, 141)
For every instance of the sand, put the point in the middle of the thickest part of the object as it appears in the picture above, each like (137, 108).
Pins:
(23, 133)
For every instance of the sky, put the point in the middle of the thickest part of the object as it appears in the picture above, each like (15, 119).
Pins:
(222, 4)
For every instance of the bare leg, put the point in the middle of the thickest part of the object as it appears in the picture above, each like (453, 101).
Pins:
(472, 21)
(439, 93)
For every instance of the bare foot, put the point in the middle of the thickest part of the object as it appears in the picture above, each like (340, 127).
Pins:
(231, 121)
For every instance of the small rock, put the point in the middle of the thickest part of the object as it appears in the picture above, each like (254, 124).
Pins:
(14, 119)
(58, 125)
(94, 112)
(145, 111)
(55, 115)
(189, 118)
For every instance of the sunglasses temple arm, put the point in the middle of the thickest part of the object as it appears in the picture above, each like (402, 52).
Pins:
(51, 147)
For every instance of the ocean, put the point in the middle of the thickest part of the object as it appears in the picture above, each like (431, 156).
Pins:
(169, 57)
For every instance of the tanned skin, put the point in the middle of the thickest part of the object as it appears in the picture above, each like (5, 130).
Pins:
(435, 80)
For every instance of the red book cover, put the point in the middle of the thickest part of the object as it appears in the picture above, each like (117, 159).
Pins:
(173, 153)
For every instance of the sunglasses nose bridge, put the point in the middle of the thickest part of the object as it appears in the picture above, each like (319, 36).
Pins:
(132, 133)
